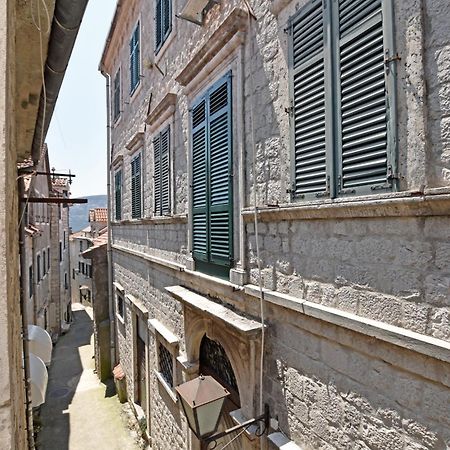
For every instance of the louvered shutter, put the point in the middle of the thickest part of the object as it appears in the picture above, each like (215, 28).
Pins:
(157, 174)
(308, 90)
(135, 58)
(166, 19)
(363, 158)
(118, 194)
(220, 208)
(165, 171)
(136, 200)
(212, 176)
(199, 179)
(117, 95)
(158, 23)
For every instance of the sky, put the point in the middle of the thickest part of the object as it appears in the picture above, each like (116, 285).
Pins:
(77, 135)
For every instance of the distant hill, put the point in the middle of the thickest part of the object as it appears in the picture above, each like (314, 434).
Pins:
(79, 214)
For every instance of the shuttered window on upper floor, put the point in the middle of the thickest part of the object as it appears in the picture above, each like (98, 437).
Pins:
(161, 172)
(212, 204)
(163, 22)
(136, 188)
(342, 83)
(117, 94)
(118, 195)
(135, 59)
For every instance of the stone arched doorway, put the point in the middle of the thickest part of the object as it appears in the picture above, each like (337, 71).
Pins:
(214, 361)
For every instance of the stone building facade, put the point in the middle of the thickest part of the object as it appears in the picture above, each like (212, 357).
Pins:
(24, 49)
(60, 259)
(290, 157)
(81, 265)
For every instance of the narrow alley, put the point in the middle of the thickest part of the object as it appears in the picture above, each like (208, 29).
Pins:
(80, 411)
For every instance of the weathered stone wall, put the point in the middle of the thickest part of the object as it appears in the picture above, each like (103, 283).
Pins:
(385, 260)
(12, 390)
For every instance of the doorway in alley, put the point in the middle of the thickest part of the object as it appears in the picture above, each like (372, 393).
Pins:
(141, 366)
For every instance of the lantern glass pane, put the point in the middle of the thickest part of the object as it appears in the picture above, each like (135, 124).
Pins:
(208, 416)
(189, 412)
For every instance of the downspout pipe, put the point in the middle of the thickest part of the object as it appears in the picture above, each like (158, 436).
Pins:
(112, 314)
(66, 23)
(25, 321)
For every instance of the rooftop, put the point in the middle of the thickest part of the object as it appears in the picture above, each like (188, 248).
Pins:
(98, 215)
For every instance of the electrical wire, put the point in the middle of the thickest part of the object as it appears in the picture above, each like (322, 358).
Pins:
(256, 223)
(232, 440)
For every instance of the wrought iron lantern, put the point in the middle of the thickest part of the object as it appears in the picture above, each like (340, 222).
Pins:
(202, 399)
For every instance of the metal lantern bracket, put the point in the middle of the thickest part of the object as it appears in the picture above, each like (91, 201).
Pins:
(262, 422)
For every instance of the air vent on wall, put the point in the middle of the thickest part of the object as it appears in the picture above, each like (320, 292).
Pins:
(193, 10)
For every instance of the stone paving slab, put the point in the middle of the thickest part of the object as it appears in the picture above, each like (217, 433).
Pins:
(80, 412)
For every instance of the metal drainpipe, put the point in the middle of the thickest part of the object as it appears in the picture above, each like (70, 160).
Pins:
(23, 312)
(112, 321)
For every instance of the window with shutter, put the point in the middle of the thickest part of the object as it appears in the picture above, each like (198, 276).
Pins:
(117, 95)
(161, 146)
(342, 98)
(212, 179)
(136, 190)
(118, 194)
(135, 58)
(163, 22)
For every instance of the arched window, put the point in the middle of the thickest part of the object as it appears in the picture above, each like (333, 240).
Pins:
(214, 361)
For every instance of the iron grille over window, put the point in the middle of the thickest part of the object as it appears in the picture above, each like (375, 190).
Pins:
(213, 356)
(161, 147)
(166, 364)
(163, 22)
(136, 202)
(342, 104)
(135, 59)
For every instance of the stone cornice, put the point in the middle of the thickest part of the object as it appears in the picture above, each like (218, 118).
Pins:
(117, 161)
(135, 142)
(162, 111)
(235, 22)
(400, 204)
(204, 306)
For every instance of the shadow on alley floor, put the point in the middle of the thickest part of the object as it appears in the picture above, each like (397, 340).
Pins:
(80, 412)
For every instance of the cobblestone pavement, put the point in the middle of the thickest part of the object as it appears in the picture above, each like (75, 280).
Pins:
(80, 412)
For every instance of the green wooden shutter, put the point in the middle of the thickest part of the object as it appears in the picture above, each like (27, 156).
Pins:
(157, 174)
(167, 18)
(220, 173)
(158, 24)
(135, 58)
(363, 132)
(199, 189)
(136, 194)
(308, 90)
(212, 177)
(118, 194)
(165, 171)
(117, 95)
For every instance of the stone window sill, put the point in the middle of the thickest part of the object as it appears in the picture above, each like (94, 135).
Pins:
(120, 319)
(177, 218)
(434, 202)
(164, 384)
